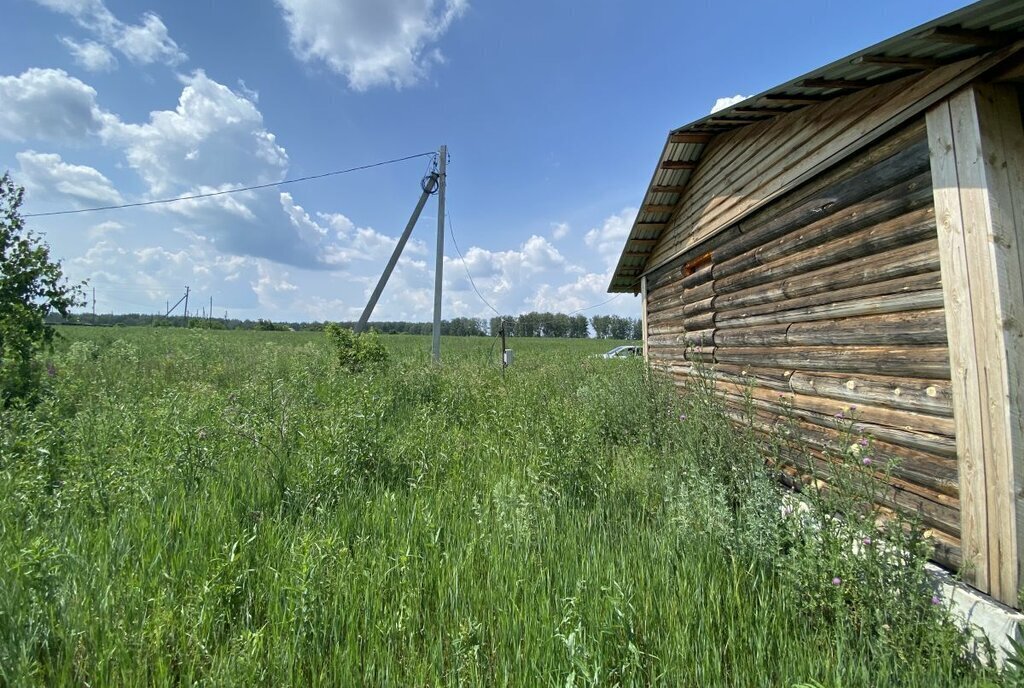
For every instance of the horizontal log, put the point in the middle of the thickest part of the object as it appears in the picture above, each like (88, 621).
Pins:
(915, 361)
(911, 228)
(769, 335)
(662, 315)
(901, 262)
(667, 340)
(698, 277)
(844, 310)
(925, 396)
(932, 434)
(780, 219)
(672, 327)
(900, 285)
(702, 321)
(914, 466)
(702, 306)
(699, 292)
(901, 199)
(670, 271)
(700, 338)
(911, 327)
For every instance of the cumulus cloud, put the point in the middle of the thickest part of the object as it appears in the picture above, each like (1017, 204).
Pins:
(46, 175)
(723, 103)
(371, 42)
(48, 104)
(144, 43)
(609, 238)
(93, 56)
(559, 230)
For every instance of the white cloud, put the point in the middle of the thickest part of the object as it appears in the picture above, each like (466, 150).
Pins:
(723, 103)
(104, 228)
(144, 43)
(609, 238)
(559, 230)
(47, 176)
(214, 136)
(93, 56)
(371, 42)
(47, 104)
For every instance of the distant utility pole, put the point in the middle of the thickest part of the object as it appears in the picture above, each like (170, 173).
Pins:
(186, 305)
(94, 305)
(439, 262)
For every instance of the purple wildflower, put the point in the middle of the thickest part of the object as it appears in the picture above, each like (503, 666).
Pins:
(866, 541)
(837, 581)
(866, 461)
(936, 600)
(840, 415)
(852, 409)
(863, 441)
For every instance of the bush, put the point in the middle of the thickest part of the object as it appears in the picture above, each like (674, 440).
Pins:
(357, 352)
(31, 286)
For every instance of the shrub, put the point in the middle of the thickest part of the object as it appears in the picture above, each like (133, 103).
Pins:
(31, 286)
(357, 352)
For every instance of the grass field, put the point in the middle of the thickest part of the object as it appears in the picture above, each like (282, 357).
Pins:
(232, 508)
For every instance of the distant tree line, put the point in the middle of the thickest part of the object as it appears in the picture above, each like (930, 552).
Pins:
(531, 324)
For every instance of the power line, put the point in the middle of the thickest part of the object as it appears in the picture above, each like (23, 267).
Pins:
(451, 232)
(596, 305)
(228, 191)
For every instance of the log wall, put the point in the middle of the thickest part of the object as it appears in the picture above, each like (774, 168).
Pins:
(830, 298)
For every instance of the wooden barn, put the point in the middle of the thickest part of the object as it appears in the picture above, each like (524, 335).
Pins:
(855, 238)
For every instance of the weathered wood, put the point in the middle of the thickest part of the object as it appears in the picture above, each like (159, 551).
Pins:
(903, 62)
(644, 334)
(658, 208)
(700, 338)
(667, 188)
(844, 192)
(901, 199)
(698, 277)
(668, 271)
(902, 262)
(702, 321)
(917, 361)
(932, 434)
(688, 137)
(902, 285)
(678, 164)
(876, 305)
(769, 335)
(912, 327)
(696, 307)
(925, 396)
(913, 227)
(699, 292)
(978, 156)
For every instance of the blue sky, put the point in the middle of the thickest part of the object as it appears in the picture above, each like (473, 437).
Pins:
(554, 114)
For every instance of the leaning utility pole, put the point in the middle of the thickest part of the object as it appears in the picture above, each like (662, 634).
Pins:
(439, 263)
(186, 306)
(429, 186)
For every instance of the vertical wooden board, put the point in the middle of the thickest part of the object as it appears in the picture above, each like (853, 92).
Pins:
(643, 312)
(956, 290)
(1002, 157)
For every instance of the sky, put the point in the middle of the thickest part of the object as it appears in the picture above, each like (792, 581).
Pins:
(554, 113)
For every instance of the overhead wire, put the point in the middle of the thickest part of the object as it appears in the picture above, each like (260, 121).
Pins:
(451, 232)
(223, 192)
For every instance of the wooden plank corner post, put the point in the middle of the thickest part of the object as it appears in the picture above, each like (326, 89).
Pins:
(976, 142)
(643, 312)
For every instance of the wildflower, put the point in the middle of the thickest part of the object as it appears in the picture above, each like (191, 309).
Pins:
(682, 416)
(866, 461)
(840, 415)
(863, 441)
(936, 600)
(852, 409)
(866, 541)
(837, 581)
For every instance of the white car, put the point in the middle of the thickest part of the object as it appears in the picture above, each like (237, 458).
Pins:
(626, 351)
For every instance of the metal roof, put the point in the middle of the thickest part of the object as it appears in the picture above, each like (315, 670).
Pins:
(967, 32)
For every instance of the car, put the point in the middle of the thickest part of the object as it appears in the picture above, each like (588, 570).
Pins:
(626, 351)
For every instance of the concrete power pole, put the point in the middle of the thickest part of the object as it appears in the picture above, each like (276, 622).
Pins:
(439, 264)
(186, 306)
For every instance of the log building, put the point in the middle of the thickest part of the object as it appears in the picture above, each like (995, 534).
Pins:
(855, 238)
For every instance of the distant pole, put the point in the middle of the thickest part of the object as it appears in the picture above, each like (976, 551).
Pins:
(94, 305)
(209, 321)
(439, 262)
(186, 306)
(504, 361)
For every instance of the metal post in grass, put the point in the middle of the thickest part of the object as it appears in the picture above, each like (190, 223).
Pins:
(439, 262)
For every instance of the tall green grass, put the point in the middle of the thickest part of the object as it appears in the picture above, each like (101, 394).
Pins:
(227, 508)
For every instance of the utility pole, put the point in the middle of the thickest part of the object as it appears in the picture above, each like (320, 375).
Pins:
(429, 186)
(94, 305)
(439, 263)
(186, 306)
(504, 355)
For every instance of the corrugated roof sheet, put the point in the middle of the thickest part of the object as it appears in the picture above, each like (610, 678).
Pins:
(973, 30)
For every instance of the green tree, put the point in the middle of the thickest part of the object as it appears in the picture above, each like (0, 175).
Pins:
(31, 287)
